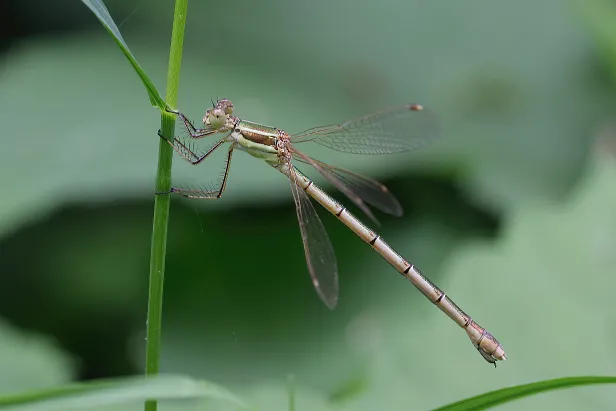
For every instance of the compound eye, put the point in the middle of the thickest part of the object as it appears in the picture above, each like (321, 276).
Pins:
(215, 118)
(225, 105)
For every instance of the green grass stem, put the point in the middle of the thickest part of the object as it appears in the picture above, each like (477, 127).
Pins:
(161, 202)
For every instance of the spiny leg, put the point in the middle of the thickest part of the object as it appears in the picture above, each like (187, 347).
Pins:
(188, 153)
(226, 175)
(190, 127)
(208, 194)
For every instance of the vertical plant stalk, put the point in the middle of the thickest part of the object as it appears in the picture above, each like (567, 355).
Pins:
(161, 202)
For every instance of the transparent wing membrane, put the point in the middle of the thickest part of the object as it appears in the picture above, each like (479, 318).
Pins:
(395, 130)
(338, 184)
(367, 189)
(320, 256)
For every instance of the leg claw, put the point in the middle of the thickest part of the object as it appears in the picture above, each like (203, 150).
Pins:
(159, 193)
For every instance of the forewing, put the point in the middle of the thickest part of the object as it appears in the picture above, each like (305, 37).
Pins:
(394, 130)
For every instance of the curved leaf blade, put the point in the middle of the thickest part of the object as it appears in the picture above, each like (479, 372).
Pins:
(127, 390)
(493, 398)
(100, 11)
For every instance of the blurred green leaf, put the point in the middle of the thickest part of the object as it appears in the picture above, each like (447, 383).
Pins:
(100, 11)
(117, 391)
(29, 361)
(494, 398)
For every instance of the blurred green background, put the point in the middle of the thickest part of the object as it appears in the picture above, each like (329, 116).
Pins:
(512, 212)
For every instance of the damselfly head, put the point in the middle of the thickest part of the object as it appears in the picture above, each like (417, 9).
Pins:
(218, 116)
(215, 118)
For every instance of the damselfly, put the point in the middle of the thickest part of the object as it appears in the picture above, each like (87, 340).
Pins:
(394, 130)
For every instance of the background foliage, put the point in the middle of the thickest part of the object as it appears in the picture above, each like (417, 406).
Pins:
(508, 212)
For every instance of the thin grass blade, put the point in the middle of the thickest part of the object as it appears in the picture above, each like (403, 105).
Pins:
(100, 11)
(494, 398)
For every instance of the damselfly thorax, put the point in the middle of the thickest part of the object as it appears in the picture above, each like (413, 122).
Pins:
(263, 142)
